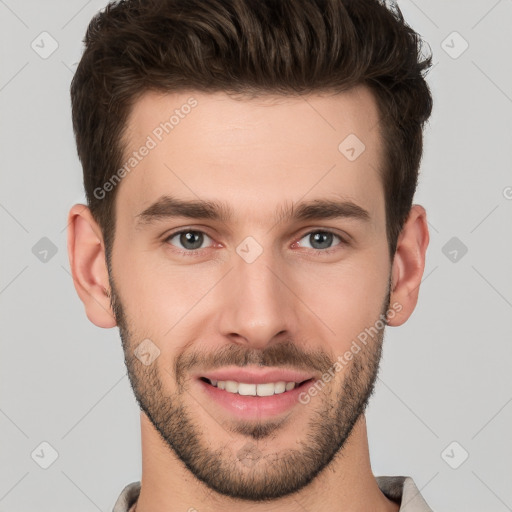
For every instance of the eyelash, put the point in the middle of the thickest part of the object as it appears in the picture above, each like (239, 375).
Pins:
(198, 252)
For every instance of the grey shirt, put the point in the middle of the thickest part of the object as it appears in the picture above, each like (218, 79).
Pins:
(401, 489)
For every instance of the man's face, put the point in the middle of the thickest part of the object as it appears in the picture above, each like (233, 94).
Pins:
(261, 290)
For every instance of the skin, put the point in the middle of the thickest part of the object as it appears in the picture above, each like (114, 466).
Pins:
(294, 301)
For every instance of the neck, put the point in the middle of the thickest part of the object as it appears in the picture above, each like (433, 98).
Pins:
(346, 484)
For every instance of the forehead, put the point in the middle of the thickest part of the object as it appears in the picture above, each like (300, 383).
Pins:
(252, 153)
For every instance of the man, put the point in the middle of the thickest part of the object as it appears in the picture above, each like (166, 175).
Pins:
(249, 170)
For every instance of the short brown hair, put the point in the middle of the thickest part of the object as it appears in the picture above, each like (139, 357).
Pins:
(249, 47)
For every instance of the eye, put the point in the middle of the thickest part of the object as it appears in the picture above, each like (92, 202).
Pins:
(321, 240)
(189, 239)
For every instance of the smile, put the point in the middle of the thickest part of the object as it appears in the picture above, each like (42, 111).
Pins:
(251, 401)
(247, 389)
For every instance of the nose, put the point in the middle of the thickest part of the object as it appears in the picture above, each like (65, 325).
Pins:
(257, 303)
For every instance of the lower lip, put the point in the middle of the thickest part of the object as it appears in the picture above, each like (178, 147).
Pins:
(254, 407)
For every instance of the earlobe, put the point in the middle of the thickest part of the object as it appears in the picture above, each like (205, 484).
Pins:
(86, 254)
(409, 264)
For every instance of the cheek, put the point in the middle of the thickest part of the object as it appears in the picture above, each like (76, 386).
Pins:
(140, 287)
(161, 298)
(348, 298)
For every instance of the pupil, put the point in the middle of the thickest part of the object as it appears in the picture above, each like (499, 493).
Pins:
(188, 238)
(323, 239)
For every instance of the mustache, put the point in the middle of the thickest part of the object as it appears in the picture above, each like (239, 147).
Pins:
(286, 354)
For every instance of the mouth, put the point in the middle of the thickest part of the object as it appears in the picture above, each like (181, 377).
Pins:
(252, 400)
(252, 389)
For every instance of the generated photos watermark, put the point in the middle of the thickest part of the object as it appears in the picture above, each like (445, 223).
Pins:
(355, 347)
(152, 141)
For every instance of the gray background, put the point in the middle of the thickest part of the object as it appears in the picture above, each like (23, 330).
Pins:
(445, 375)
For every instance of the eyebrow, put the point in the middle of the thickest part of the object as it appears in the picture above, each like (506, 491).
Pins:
(169, 207)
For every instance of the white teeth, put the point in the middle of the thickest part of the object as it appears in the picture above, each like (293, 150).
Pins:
(280, 387)
(246, 389)
(265, 389)
(232, 386)
(242, 388)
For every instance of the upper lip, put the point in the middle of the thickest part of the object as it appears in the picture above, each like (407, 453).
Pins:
(256, 376)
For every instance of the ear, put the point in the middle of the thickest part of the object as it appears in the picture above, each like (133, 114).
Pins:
(409, 264)
(86, 252)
